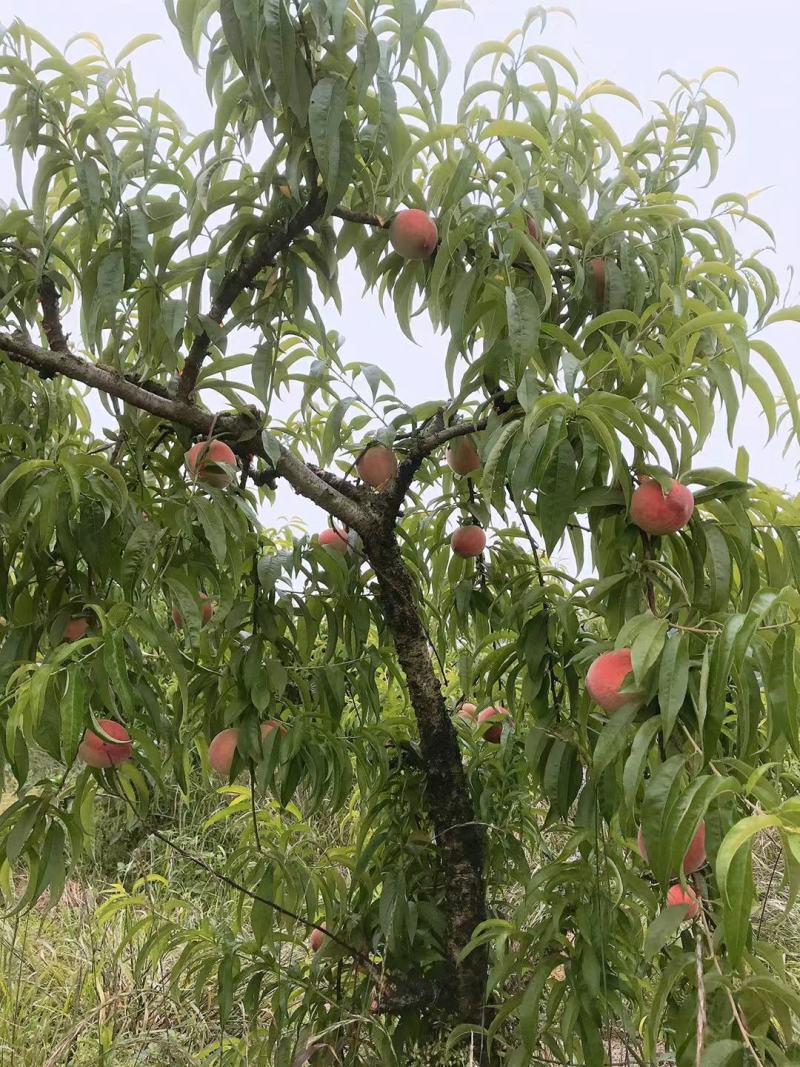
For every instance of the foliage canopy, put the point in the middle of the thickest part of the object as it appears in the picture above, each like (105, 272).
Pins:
(594, 325)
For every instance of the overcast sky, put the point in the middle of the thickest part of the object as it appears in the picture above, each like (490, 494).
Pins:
(629, 41)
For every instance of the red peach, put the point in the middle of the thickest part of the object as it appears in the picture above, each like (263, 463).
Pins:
(377, 465)
(677, 895)
(468, 711)
(605, 677)
(468, 541)
(96, 751)
(266, 728)
(222, 750)
(695, 854)
(334, 538)
(75, 629)
(495, 731)
(597, 278)
(657, 513)
(317, 938)
(207, 609)
(413, 234)
(462, 456)
(535, 230)
(202, 462)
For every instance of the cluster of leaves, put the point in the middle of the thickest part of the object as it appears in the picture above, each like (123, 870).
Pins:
(600, 350)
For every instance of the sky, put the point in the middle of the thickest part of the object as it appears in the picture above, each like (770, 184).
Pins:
(630, 42)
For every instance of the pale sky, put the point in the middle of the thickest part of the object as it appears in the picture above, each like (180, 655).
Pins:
(628, 41)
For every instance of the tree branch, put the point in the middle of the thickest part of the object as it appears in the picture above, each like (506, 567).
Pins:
(51, 316)
(269, 245)
(418, 449)
(243, 429)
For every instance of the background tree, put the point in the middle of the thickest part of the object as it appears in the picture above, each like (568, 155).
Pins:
(476, 873)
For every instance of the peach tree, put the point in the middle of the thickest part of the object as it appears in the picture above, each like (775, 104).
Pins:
(534, 678)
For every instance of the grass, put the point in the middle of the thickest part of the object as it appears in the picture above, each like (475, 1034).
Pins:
(80, 987)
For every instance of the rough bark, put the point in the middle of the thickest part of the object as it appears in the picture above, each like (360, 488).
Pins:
(459, 838)
(267, 247)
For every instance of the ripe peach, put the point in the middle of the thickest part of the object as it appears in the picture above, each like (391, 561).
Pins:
(462, 456)
(334, 538)
(535, 230)
(677, 895)
(413, 234)
(377, 465)
(495, 731)
(75, 629)
(596, 269)
(207, 608)
(468, 541)
(695, 854)
(605, 677)
(468, 711)
(317, 938)
(203, 459)
(222, 750)
(656, 513)
(96, 751)
(272, 724)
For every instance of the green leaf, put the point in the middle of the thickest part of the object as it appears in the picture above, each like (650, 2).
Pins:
(325, 115)
(721, 1053)
(647, 647)
(720, 665)
(637, 760)
(790, 314)
(673, 680)
(524, 319)
(613, 736)
(209, 514)
(73, 714)
(737, 904)
(661, 930)
(737, 837)
(281, 45)
(556, 500)
(133, 44)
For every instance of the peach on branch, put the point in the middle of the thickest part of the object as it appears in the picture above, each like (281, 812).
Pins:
(677, 896)
(535, 230)
(318, 938)
(657, 512)
(597, 274)
(605, 677)
(266, 728)
(76, 629)
(695, 854)
(468, 711)
(207, 608)
(334, 539)
(462, 456)
(468, 541)
(497, 715)
(377, 465)
(206, 462)
(222, 750)
(110, 750)
(413, 234)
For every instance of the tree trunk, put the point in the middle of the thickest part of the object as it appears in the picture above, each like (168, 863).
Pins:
(459, 839)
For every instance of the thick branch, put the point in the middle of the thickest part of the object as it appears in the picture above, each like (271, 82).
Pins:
(51, 316)
(418, 448)
(460, 840)
(269, 245)
(243, 430)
